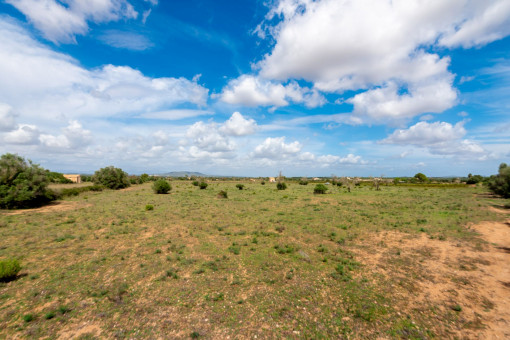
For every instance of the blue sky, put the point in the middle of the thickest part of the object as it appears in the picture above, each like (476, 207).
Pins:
(249, 88)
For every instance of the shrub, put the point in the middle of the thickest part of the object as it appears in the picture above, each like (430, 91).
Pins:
(263, 182)
(281, 186)
(303, 182)
(421, 177)
(161, 186)
(222, 194)
(202, 185)
(500, 184)
(9, 269)
(57, 177)
(240, 186)
(195, 183)
(22, 184)
(111, 178)
(320, 189)
(149, 207)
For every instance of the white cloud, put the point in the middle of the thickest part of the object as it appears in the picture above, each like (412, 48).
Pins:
(439, 138)
(73, 137)
(386, 104)
(61, 21)
(253, 91)
(276, 148)
(379, 46)
(208, 137)
(46, 87)
(7, 118)
(25, 134)
(126, 40)
(237, 125)
(484, 22)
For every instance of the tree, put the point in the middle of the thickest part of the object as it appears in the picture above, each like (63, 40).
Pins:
(22, 183)
(111, 177)
(500, 184)
(421, 177)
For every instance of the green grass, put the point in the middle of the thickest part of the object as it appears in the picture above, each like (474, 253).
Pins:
(259, 258)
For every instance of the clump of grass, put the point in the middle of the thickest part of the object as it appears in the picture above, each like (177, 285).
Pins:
(172, 273)
(215, 297)
(149, 207)
(234, 249)
(9, 269)
(203, 185)
(222, 194)
(28, 317)
(286, 249)
(457, 308)
(50, 315)
(240, 186)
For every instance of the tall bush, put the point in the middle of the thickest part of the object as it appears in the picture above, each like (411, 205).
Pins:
(111, 178)
(22, 184)
(500, 184)
(161, 186)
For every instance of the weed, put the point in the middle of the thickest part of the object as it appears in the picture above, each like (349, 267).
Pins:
(222, 194)
(457, 308)
(234, 249)
(28, 317)
(149, 207)
(286, 249)
(50, 315)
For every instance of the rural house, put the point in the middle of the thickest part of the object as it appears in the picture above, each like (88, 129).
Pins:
(73, 178)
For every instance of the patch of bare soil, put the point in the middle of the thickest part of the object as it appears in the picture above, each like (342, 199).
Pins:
(52, 207)
(76, 331)
(435, 278)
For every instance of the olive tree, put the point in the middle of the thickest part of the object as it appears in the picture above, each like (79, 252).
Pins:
(22, 183)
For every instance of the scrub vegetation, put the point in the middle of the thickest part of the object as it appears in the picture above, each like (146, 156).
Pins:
(354, 262)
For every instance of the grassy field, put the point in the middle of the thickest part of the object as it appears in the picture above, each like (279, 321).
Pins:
(262, 263)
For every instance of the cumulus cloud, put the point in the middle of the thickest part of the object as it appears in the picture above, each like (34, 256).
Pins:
(212, 140)
(25, 134)
(73, 137)
(43, 85)
(237, 125)
(276, 148)
(61, 21)
(253, 91)
(378, 46)
(439, 138)
(386, 104)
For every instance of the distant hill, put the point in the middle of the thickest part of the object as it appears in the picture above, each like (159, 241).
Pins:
(183, 174)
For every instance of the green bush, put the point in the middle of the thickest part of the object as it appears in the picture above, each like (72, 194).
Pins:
(23, 184)
(161, 186)
(195, 183)
(111, 178)
(281, 186)
(9, 269)
(320, 189)
(303, 182)
(203, 185)
(500, 184)
(222, 194)
(57, 177)
(263, 182)
(419, 177)
(240, 186)
(149, 207)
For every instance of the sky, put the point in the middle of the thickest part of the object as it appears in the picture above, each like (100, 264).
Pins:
(250, 88)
